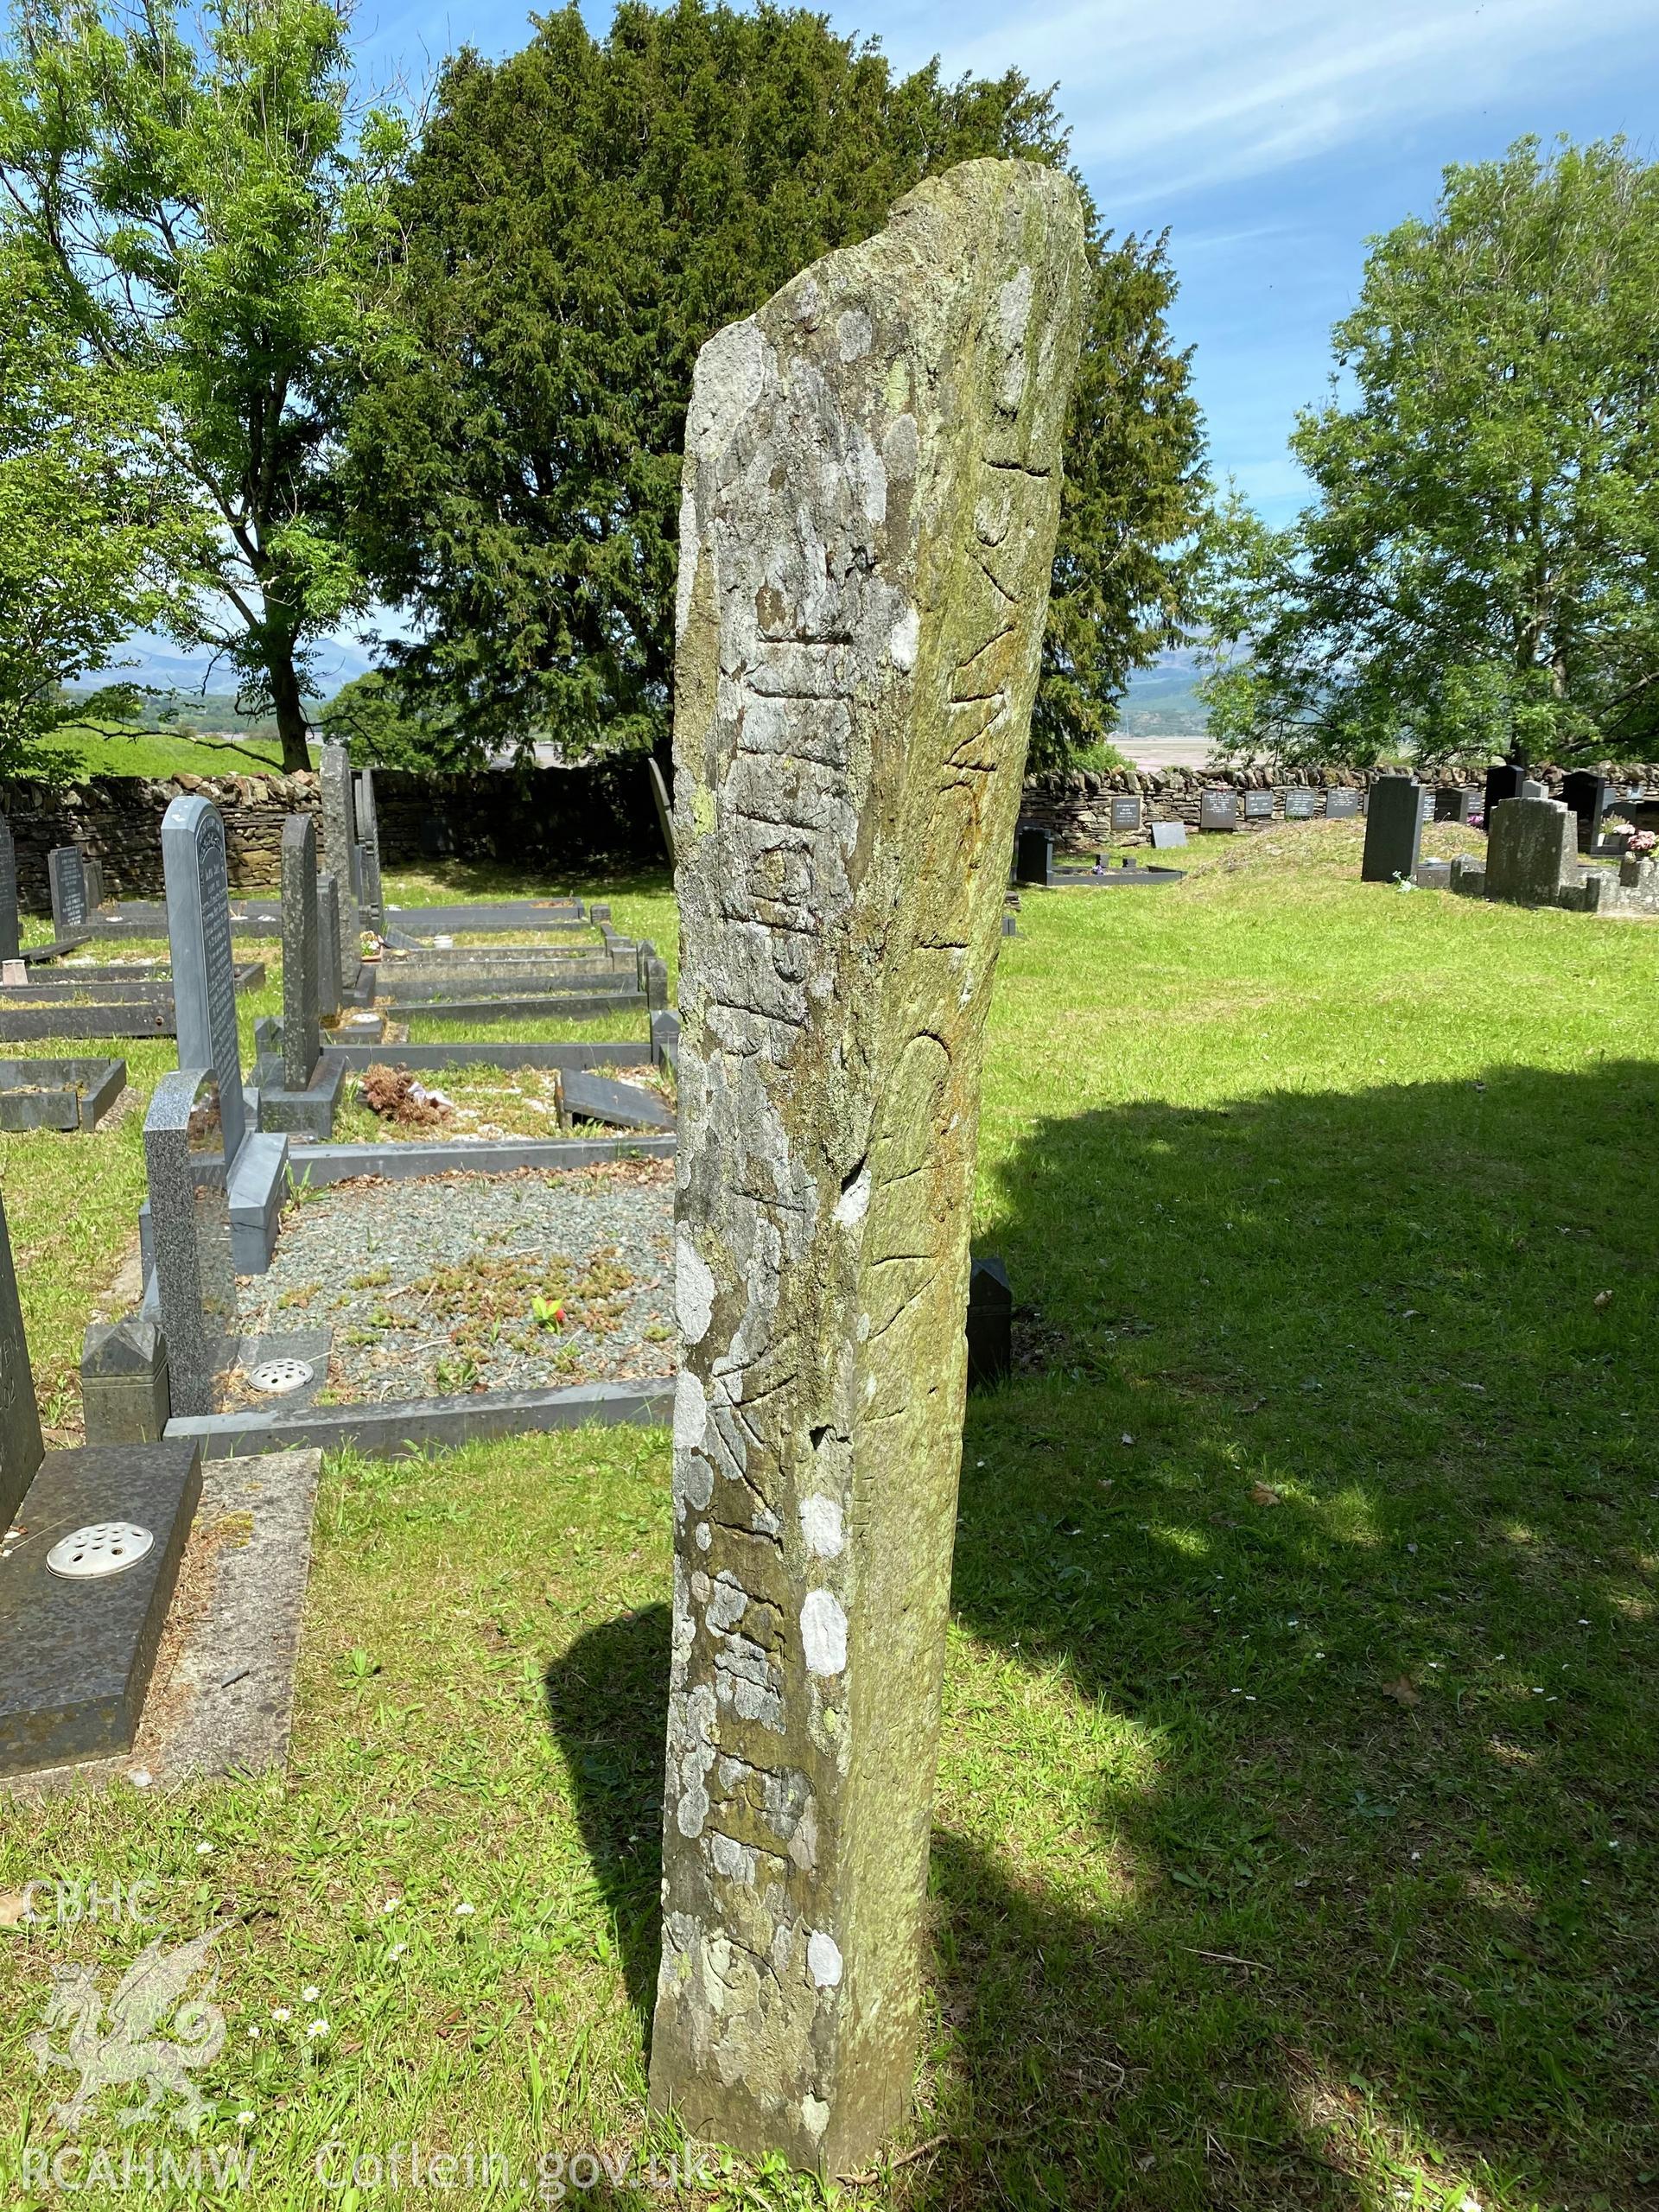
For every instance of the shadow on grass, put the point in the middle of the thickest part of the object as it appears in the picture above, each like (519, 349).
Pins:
(1323, 1524)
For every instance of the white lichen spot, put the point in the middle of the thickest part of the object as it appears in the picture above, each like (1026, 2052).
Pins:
(814, 2115)
(823, 1633)
(730, 1601)
(823, 1959)
(703, 1534)
(821, 1527)
(854, 1201)
(807, 301)
(855, 334)
(701, 1586)
(765, 1522)
(732, 1859)
(691, 1411)
(904, 639)
(693, 1290)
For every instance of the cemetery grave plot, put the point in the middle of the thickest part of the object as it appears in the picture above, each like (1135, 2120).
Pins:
(479, 1101)
(449, 1284)
(55, 1094)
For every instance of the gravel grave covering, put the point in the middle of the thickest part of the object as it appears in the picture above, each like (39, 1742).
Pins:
(451, 1283)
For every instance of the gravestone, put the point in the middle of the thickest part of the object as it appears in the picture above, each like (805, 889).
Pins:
(93, 874)
(330, 996)
(203, 969)
(1166, 836)
(65, 876)
(990, 1323)
(1589, 795)
(437, 838)
(1301, 803)
(10, 938)
(339, 853)
(368, 829)
(1502, 782)
(1217, 810)
(871, 479)
(1393, 829)
(22, 1446)
(302, 1038)
(1426, 805)
(1258, 806)
(1531, 787)
(1531, 851)
(1341, 804)
(1033, 855)
(185, 1157)
(1456, 803)
(664, 811)
(1126, 814)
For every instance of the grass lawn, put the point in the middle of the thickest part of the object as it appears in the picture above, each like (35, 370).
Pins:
(1296, 1828)
(162, 754)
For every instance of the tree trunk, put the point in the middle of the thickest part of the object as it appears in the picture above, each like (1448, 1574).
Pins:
(290, 712)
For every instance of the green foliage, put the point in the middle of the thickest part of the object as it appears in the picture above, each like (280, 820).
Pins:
(578, 220)
(88, 512)
(1475, 575)
(370, 715)
(187, 186)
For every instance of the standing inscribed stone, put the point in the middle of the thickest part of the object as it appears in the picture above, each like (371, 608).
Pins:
(871, 491)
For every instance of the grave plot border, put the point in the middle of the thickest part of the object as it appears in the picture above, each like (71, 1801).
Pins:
(28, 1025)
(59, 1094)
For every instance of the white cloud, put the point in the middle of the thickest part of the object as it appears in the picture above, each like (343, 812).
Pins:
(1194, 93)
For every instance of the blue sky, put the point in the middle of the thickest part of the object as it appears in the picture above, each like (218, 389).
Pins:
(1271, 139)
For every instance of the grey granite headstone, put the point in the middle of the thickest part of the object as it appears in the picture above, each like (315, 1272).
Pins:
(1531, 851)
(302, 1040)
(22, 1449)
(339, 841)
(1393, 829)
(190, 1230)
(1166, 836)
(1217, 810)
(368, 830)
(10, 942)
(1126, 814)
(1301, 802)
(1341, 805)
(65, 875)
(329, 995)
(664, 811)
(203, 966)
(1258, 806)
(123, 1388)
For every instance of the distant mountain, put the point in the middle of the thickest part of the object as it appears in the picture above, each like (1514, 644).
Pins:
(157, 664)
(1162, 700)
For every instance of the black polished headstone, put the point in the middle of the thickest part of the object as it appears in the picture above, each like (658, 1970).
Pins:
(1503, 782)
(989, 1323)
(1456, 803)
(1589, 795)
(204, 966)
(1033, 855)
(1217, 810)
(1394, 830)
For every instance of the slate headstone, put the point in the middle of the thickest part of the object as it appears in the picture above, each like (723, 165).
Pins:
(368, 832)
(1393, 829)
(10, 938)
(185, 1157)
(1217, 810)
(990, 1323)
(1589, 795)
(203, 968)
(330, 997)
(65, 875)
(21, 1447)
(1456, 802)
(1341, 804)
(1426, 804)
(1258, 806)
(302, 1040)
(338, 852)
(1301, 803)
(1166, 836)
(1033, 855)
(1126, 814)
